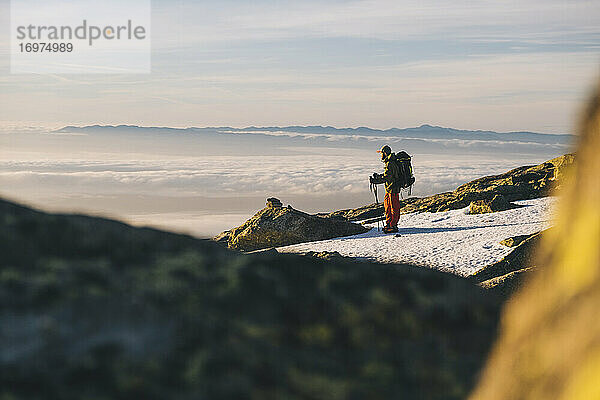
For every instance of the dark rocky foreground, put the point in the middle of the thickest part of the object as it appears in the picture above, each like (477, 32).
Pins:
(95, 309)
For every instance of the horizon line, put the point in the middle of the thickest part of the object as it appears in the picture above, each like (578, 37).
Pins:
(301, 126)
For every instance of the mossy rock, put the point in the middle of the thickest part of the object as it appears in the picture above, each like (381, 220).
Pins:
(282, 226)
(497, 203)
(507, 284)
(520, 258)
(515, 240)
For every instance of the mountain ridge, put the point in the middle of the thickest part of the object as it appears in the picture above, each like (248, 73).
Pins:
(424, 129)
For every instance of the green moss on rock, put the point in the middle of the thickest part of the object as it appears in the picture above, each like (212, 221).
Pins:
(498, 203)
(515, 240)
(281, 226)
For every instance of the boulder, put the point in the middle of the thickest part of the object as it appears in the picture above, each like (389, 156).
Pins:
(506, 285)
(515, 240)
(520, 258)
(282, 226)
(497, 203)
(273, 202)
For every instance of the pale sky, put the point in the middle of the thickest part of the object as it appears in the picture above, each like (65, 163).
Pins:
(497, 65)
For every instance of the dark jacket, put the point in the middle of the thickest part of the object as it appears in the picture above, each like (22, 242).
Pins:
(391, 175)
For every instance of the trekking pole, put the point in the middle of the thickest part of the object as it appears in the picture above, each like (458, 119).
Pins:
(377, 201)
(374, 190)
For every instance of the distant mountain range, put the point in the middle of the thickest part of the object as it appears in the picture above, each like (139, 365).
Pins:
(422, 132)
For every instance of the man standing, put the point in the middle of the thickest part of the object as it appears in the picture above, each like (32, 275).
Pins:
(391, 178)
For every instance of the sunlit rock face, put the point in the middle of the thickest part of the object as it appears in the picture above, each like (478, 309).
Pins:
(497, 203)
(549, 344)
(275, 226)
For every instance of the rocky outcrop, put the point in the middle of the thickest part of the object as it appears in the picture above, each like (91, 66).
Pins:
(521, 258)
(98, 309)
(358, 214)
(276, 226)
(273, 202)
(498, 203)
(322, 255)
(515, 240)
(521, 183)
(506, 285)
(325, 255)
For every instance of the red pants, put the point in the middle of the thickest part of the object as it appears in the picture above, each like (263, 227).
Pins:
(391, 203)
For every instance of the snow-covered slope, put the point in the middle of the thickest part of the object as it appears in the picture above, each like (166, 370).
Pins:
(453, 241)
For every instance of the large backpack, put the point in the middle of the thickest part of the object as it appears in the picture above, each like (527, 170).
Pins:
(406, 178)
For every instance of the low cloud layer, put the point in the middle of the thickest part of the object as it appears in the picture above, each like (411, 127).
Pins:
(55, 172)
(216, 177)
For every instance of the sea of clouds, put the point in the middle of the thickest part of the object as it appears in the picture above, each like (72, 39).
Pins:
(203, 188)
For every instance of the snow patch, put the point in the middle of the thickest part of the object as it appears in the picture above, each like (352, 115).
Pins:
(452, 241)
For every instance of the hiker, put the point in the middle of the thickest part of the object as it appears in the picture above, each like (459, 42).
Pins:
(396, 176)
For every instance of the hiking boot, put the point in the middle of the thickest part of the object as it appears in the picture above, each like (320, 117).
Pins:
(390, 229)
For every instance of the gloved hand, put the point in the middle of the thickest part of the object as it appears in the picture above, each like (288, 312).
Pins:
(376, 178)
